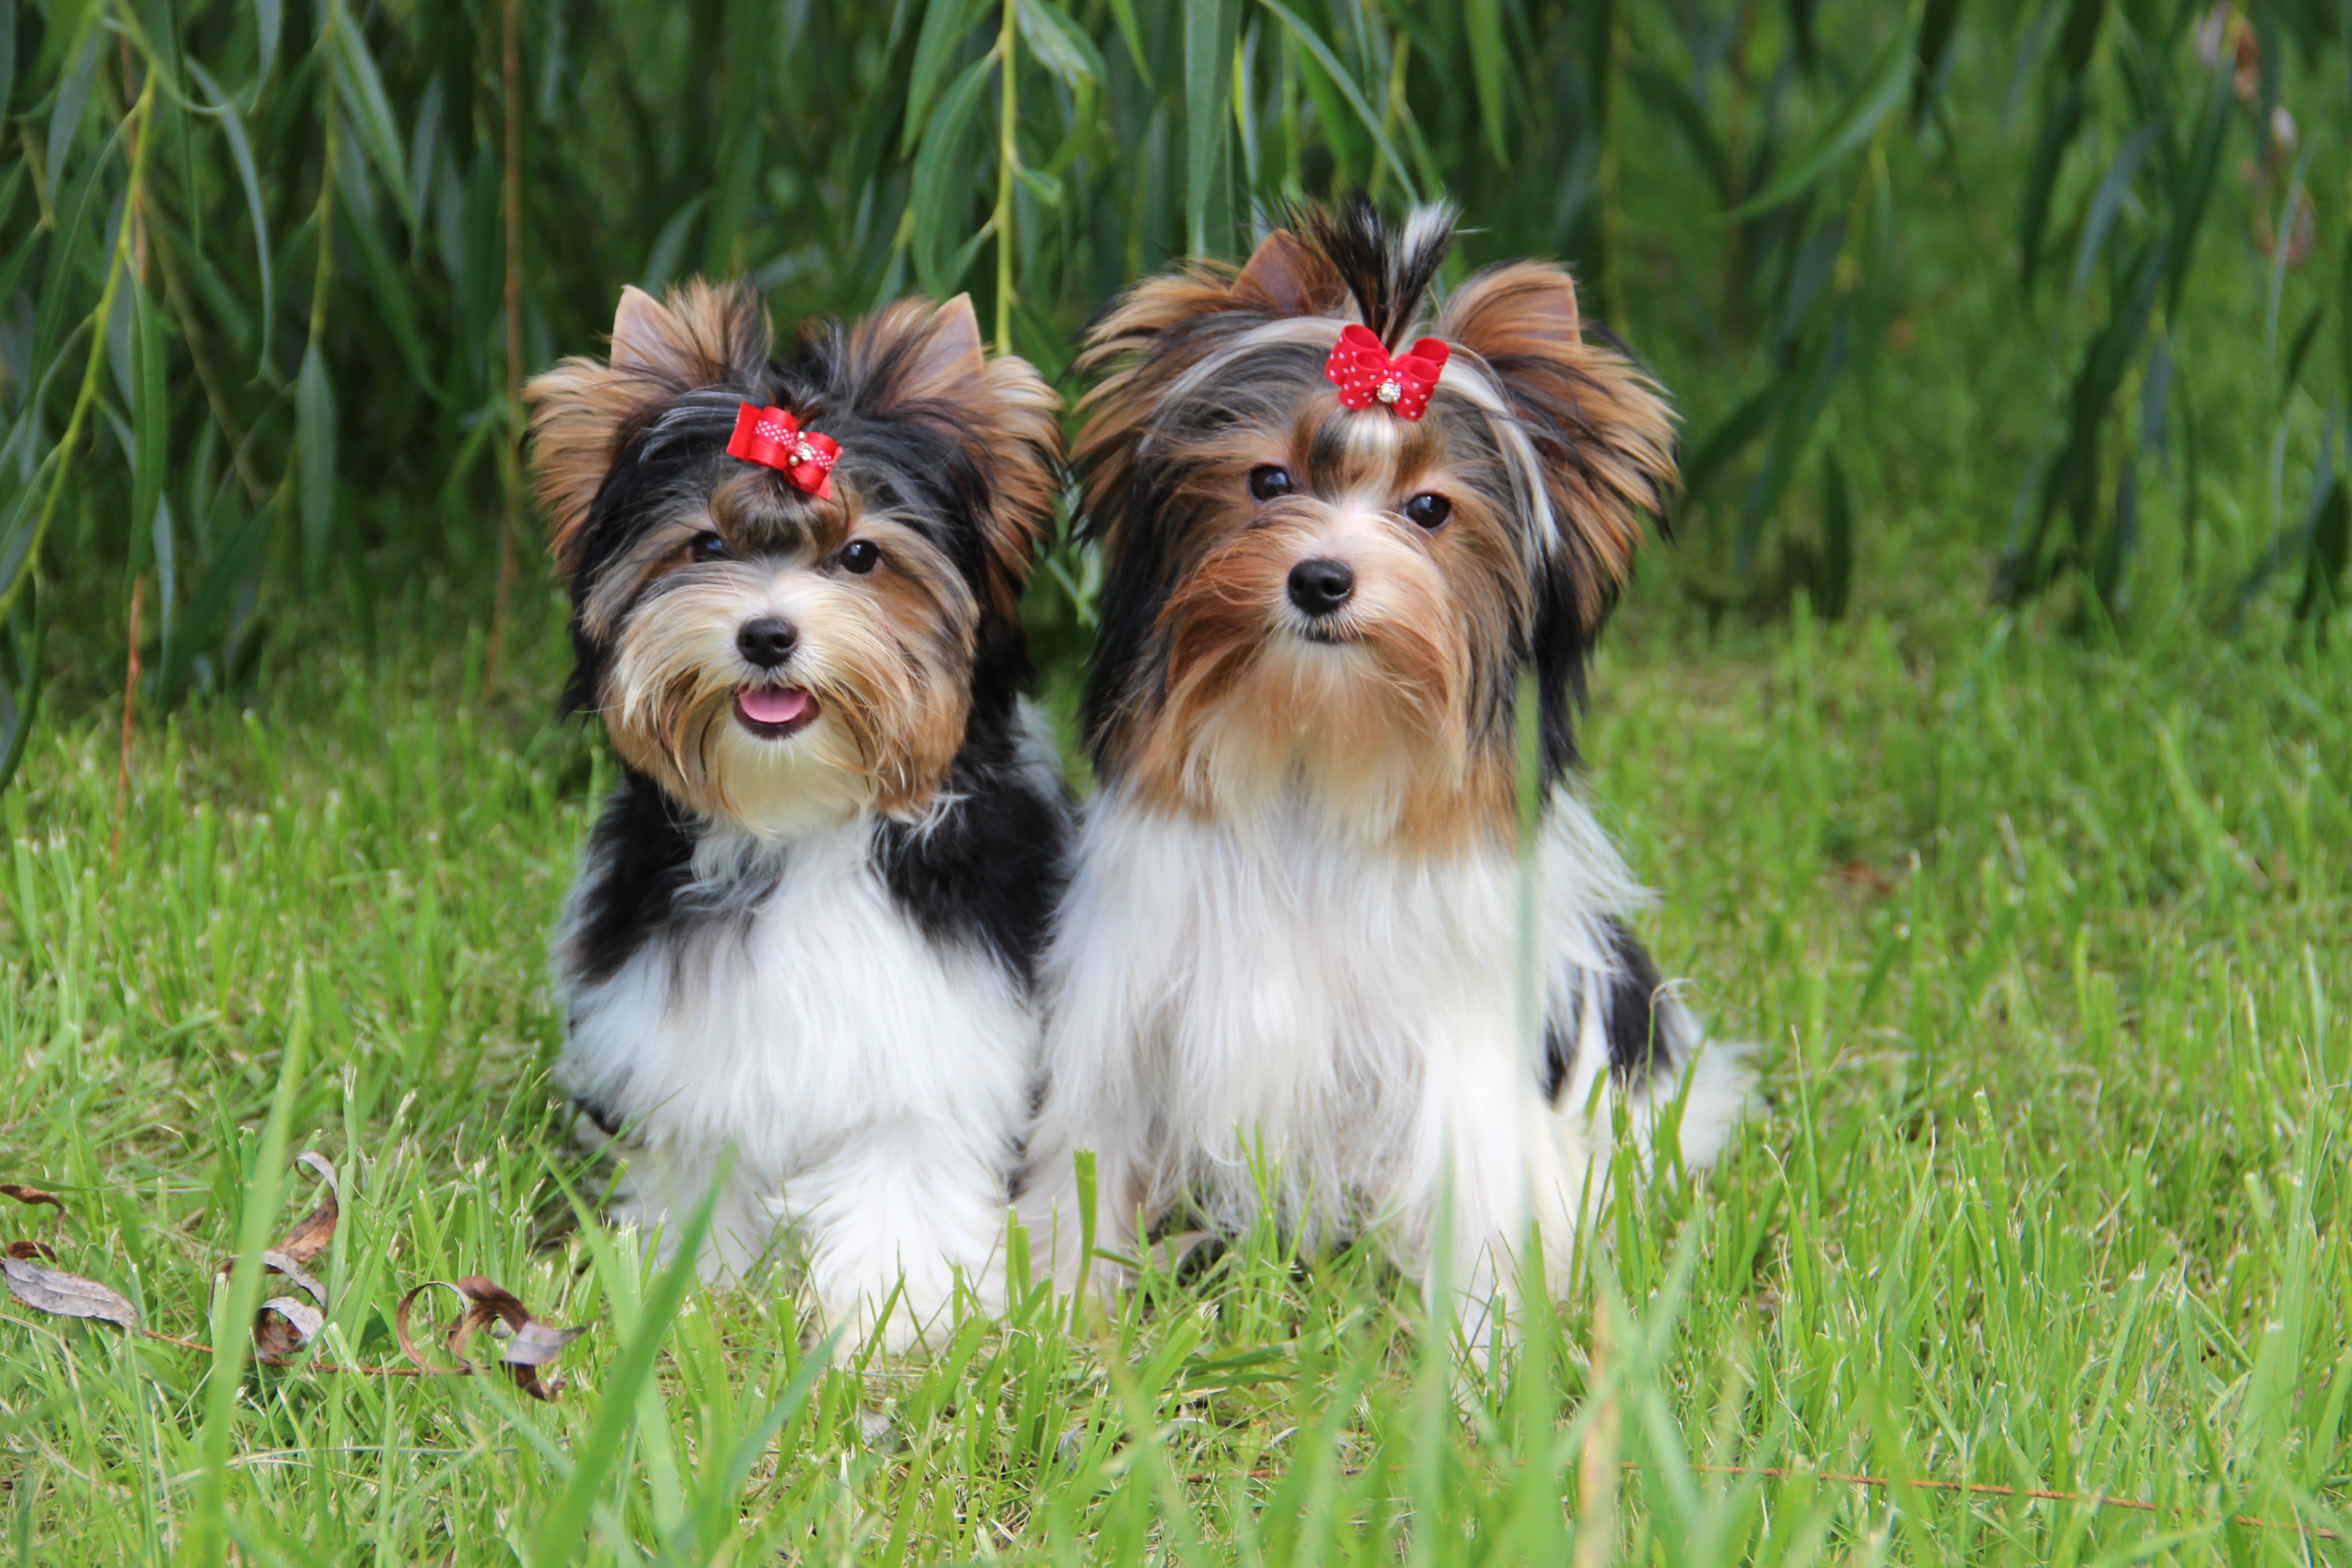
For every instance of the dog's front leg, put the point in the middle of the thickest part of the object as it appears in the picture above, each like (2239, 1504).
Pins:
(913, 1201)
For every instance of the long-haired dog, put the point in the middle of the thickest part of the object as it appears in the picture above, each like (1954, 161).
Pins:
(806, 928)
(1335, 559)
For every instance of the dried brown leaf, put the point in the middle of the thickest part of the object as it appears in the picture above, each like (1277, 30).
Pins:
(29, 1249)
(524, 1343)
(25, 1194)
(310, 1238)
(67, 1294)
(284, 1325)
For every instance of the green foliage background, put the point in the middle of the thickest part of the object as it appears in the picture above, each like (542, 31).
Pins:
(281, 392)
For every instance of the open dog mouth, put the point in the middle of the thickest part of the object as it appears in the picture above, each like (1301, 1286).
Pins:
(773, 712)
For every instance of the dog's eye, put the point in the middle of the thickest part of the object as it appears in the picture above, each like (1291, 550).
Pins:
(706, 546)
(1429, 512)
(861, 556)
(1266, 482)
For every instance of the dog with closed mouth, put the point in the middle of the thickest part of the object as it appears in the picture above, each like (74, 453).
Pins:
(1348, 544)
(802, 944)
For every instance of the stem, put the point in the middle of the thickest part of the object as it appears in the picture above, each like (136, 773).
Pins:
(510, 456)
(130, 704)
(97, 362)
(1008, 165)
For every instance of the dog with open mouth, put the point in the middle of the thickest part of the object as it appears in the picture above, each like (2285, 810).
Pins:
(806, 929)
(1326, 909)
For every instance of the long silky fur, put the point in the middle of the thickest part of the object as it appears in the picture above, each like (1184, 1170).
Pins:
(816, 953)
(1294, 922)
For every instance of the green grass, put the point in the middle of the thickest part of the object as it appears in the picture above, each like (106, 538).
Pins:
(2046, 944)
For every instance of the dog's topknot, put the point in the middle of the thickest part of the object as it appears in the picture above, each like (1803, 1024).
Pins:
(1387, 271)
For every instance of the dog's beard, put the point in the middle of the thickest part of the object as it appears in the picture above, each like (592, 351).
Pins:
(890, 703)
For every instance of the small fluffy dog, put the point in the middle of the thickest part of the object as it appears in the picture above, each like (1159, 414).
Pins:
(1299, 921)
(807, 926)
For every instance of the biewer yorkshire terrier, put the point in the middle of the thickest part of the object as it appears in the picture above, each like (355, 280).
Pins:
(1336, 554)
(806, 929)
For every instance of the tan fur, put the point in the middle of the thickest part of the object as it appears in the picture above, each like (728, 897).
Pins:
(1522, 318)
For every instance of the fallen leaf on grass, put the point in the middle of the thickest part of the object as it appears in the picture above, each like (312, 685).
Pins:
(25, 1194)
(310, 1238)
(284, 1325)
(67, 1294)
(526, 1345)
(278, 1333)
(32, 1249)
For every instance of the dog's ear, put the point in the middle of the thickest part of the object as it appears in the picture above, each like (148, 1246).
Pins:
(1602, 431)
(701, 336)
(1286, 279)
(929, 363)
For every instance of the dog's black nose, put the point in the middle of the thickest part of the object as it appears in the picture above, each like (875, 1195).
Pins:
(768, 642)
(1321, 585)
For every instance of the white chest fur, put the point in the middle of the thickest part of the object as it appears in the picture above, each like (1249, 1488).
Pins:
(870, 1081)
(1371, 1021)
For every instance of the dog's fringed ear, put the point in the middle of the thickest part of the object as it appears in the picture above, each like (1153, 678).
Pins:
(921, 361)
(701, 335)
(1144, 341)
(1601, 430)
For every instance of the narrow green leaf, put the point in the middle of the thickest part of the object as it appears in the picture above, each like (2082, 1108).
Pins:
(1207, 88)
(1482, 25)
(391, 292)
(1881, 86)
(945, 23)
(269, 18)
(20, 683)
(559, 1533)
(7, 53)
(2059, 125)
(2194, 192)
(940, 171)
(1936, 29)
(1321, 51)
(1057, 43)
(364, 97)
(73, 96)
(1124, 11)
(1045, 186)
(240, 153)
(314, 425)
(2108, 200)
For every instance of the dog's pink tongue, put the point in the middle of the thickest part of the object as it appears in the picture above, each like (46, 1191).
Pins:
(774, 705)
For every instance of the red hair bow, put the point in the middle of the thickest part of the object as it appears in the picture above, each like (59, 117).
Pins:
(774, 438)
(1360, 366)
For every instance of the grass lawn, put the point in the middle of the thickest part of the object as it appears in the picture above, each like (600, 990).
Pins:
(2045, 948)
(2045, 944)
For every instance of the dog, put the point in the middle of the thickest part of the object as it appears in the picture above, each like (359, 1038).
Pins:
(1301, 933)
(805, 931)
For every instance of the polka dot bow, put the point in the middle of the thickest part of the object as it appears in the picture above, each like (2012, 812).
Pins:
(774, 439)
(1365, 375)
